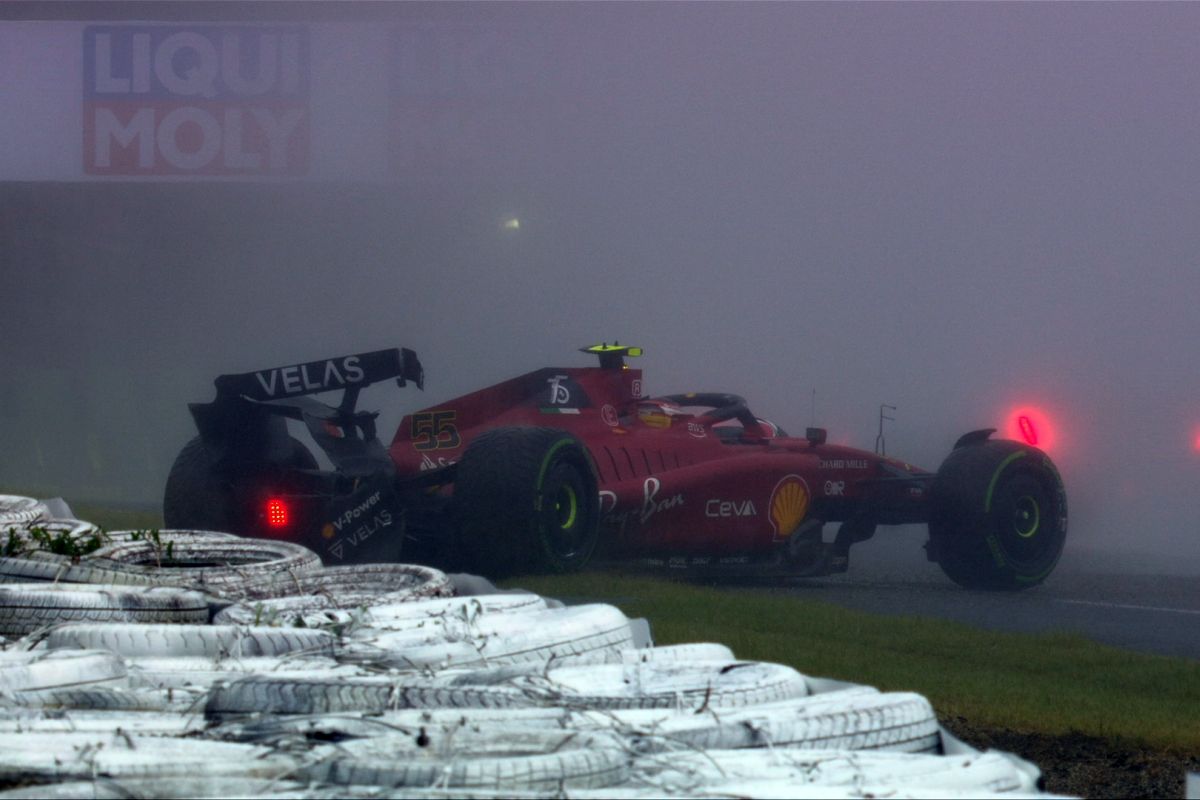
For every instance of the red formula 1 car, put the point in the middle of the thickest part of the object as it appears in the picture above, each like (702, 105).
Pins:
(558, 467)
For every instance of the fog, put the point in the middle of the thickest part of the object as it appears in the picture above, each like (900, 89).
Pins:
(953, 209)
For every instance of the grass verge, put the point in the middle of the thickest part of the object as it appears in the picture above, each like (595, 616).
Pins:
(1046, 684)
(106, 515)
(117, 519)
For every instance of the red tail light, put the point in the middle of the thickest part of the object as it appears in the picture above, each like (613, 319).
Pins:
(1031, 425)
(1028, 431)
(277, 513)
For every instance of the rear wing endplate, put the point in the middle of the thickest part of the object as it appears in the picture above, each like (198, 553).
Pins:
(351, 372)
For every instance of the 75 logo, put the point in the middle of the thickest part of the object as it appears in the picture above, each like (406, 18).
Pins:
(434, 430)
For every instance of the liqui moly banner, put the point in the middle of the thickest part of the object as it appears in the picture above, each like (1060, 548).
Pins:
(153, 101)
(195, 100)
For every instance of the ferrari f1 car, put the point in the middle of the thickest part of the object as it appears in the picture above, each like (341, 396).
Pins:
(559, 467)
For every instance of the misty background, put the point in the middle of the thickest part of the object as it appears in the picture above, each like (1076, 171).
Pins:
(955, 209)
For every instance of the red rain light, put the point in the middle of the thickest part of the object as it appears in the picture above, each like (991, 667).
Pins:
(1031, 425)
(1028, 431)
(277, 513)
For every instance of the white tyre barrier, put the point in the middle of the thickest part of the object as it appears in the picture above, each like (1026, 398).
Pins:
(109, 699)
(200, 674)
(116, 754)
(27, 607)
(425, 612)
(40, 567)
(274, 694)
(142, 723)
(487, 696)
(41, 533)
(560, 635)
(679, 653)
(312, 611)
(161, 538)
(26, 558)
(362, 725)
(177, 788)
(687, 772)
(693, 687)
(17, 511)
(517, 759)
(68, 790)
(27, 672)
(779, 790)
(370, 616)
(351, 586)
(201, 641)
(215, 565)
(860, 718)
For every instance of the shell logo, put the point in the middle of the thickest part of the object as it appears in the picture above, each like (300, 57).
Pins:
(788, 505)
(327, 531)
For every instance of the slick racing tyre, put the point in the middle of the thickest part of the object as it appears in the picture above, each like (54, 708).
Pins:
(526, 500)
(998, 517)
(196, 496)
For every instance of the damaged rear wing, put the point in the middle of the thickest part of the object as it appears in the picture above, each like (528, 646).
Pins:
(351, 372)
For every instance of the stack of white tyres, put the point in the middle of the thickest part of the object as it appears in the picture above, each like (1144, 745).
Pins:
(19, 512)
(406, 690)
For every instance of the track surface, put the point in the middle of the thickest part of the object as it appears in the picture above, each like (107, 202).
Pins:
(1123, 600)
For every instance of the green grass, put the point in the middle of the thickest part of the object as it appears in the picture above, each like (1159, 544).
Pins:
(117, 519)
(1050, 684)
(106, 515)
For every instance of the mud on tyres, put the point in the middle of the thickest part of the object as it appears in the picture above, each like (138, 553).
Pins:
(525, 500)
(998, 516)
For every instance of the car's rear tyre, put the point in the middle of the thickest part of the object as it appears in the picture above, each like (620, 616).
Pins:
(198, 496)
(526, 500)
(998, 516)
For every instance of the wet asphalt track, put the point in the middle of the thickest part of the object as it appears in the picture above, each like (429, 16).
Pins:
(1125, 601)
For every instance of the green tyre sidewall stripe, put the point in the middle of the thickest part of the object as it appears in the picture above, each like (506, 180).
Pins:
(987, 502)
(541, 478)
(578, 503)
(574, 507)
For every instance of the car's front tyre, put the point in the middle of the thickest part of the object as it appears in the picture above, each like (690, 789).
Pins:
(999, 516)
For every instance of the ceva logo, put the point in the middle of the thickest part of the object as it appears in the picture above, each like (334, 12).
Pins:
(195, 100)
